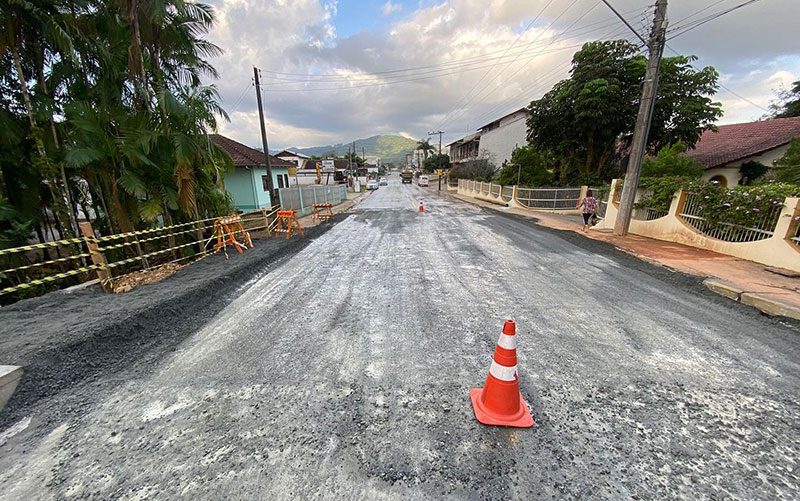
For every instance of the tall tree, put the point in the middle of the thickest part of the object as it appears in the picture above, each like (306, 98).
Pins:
(425, 146)
(588, 119)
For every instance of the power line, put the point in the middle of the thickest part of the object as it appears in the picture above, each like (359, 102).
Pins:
(309, 78)
(529, 92)
(466, 96)
(624, 21)
(524, 65)
(392, 82)
(708, 19)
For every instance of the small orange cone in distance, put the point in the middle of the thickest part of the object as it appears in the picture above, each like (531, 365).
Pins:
(499, 402)
(421, 209)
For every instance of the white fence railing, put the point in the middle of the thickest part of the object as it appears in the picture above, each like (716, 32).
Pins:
(549, 198)
(773, 240)
(302, 198)
(764, 227)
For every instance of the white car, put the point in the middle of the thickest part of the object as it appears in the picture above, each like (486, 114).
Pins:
(423, 180)
(384, 182)
(372, 184)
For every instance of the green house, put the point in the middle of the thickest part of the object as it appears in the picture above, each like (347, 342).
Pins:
(247, 184)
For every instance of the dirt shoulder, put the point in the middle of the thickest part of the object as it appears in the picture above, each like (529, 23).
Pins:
(67, 340)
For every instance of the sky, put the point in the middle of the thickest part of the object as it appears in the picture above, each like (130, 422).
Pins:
(334, 71)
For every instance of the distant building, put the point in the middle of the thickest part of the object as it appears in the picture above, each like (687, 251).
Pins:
(495, 141)
(723, 152)
(298, 159)
(247, 184)
(500, 138)
(464, 149)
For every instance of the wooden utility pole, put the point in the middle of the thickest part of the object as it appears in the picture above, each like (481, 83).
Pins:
(643, 119)
(439, 162)
(270, 186)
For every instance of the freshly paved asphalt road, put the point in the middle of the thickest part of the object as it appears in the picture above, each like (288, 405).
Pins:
(344, 373)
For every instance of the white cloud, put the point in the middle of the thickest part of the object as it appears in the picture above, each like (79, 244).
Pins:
(389, 8)
(299, 38)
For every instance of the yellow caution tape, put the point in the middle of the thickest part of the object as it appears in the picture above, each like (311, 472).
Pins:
(51, 278)
(44, 245)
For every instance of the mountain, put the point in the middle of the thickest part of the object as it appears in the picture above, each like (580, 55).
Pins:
(391, 149)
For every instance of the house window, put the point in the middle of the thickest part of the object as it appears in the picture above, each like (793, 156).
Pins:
(283, 181)
(721, 180)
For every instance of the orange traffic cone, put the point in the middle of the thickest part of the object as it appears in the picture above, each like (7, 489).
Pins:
(421, 208)
(499, 402)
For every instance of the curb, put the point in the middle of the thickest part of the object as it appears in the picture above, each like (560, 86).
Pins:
(767, 305)
(9, 378)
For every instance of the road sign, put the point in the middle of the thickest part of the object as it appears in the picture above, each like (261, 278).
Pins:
(439, 172)
(327, 166)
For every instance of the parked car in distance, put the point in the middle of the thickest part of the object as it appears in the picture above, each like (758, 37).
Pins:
(372, 184)
(384, 182)
(423, 180)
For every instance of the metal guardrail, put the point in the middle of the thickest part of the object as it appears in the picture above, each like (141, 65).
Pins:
(496, 190)
(303, 198)
(549, 198)
(692, 213)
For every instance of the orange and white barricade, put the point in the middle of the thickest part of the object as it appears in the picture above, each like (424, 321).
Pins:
(322, 212)
(226, 228)
(287, 223)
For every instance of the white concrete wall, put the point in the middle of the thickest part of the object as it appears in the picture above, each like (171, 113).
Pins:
(774, 251)
(499, 143)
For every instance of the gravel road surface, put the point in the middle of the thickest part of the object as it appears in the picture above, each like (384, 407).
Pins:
(343, 371)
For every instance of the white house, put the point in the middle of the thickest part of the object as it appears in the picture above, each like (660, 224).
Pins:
(723, 152)
(501, 137)
(298, 159)
(495, 141)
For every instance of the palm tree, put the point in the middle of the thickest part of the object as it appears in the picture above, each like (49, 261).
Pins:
(426, 147)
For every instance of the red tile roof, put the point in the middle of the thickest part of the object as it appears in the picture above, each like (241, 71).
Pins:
(244, 155)
(737, 141)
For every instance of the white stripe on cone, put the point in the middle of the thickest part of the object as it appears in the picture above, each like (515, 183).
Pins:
(507, 342)
(502, 372)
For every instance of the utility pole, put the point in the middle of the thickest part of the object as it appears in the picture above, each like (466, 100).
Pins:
(643, 119)
(439, 163)
(270, 186)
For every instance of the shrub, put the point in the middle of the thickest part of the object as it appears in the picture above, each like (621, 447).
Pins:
(742, 205)
(671, 162)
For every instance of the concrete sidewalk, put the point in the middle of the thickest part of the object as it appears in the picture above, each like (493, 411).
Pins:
(352, 200)
(741, 280)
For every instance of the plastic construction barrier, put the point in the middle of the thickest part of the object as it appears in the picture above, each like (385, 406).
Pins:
(287, 223)
(322, 212)
(225, 229)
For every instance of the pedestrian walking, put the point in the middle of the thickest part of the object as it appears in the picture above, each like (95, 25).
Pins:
(589, 204)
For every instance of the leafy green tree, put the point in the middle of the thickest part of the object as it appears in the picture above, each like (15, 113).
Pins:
(528, 167)
(788, 166)
(671, 163)
(787, 103)
(353, 157)
(588, 119)
(432, 163)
